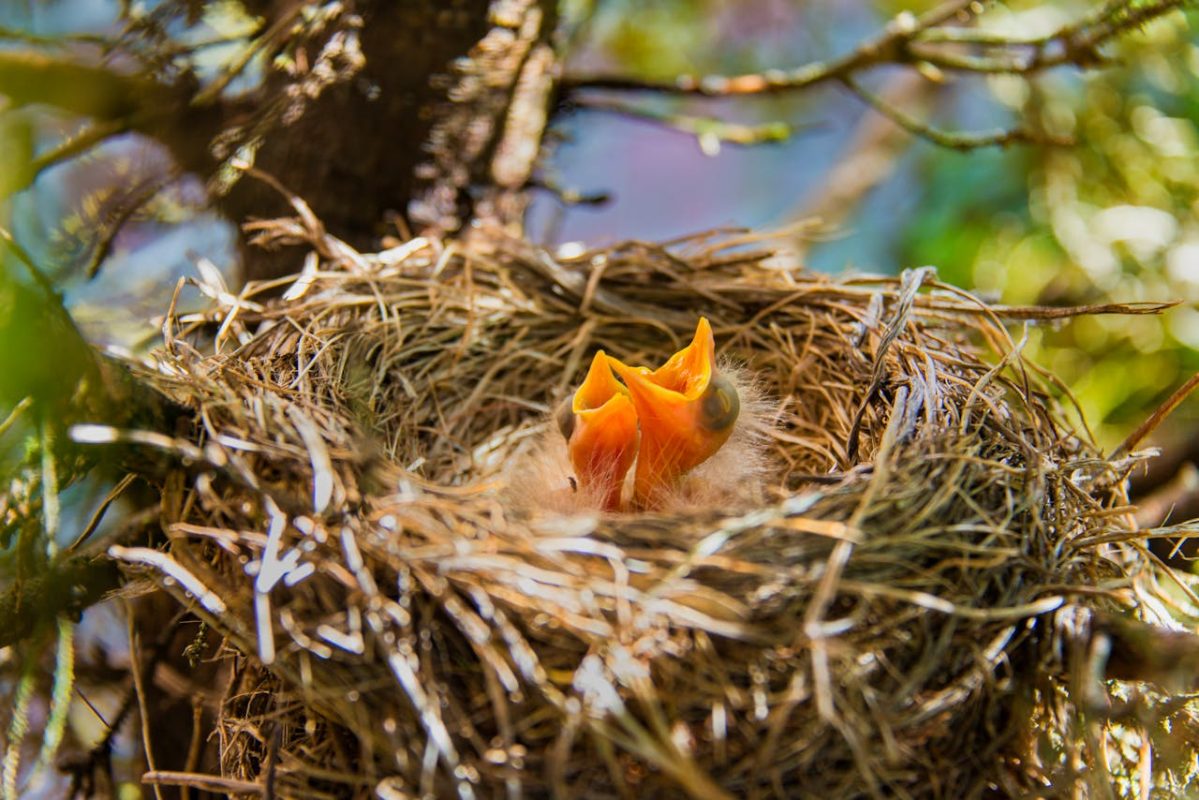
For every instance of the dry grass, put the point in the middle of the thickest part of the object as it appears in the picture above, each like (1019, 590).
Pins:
(908, 609)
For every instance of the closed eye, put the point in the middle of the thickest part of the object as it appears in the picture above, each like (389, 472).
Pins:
(720, 405)
(565, 417)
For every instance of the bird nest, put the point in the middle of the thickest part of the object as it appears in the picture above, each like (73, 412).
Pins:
(909, 602)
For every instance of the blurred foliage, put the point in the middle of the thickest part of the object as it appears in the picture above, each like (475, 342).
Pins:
(1115, 218)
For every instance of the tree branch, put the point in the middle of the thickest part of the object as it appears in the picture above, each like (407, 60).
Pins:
(710, 132)
(910, 41)
(954, 140)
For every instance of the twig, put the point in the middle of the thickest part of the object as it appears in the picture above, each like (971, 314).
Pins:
(709, 130)
(98, 514)
(20, 408)
(39, 277)
(1140, 308)
(1164, 410)
(1076, 43)
(87, 138)
(888, 47)
(272, 762)
(1161, 505)
(135, 201)
(1006, 64)
(954, 140)
(206, 783)
(278, 28)
(139, 686)
(568, 196)
(51, 509)
(196, 745)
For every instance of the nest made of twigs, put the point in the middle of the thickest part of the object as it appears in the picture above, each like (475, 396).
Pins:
(893, 615)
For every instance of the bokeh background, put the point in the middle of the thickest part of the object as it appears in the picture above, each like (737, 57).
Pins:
(1113, 219)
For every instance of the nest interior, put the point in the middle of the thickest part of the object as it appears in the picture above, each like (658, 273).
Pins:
(884, 617)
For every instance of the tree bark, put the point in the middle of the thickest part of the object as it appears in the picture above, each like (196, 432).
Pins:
(416, 132)
(439, 126)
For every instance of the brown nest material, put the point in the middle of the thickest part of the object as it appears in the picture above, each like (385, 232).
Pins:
(921, 604)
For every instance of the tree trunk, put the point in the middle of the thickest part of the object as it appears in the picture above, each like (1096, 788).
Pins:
(418, 131)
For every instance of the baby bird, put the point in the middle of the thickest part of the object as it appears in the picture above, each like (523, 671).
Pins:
(600, 427)
(686, 410)
(691, 433)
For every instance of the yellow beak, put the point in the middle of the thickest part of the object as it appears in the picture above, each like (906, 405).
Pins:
(687, 411)
(600, 426)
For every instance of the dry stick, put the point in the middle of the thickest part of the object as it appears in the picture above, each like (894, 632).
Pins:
(205, 783)
(1157, 417)
(272, 761)
(196, 744)
(1038, 313)
(138, 684)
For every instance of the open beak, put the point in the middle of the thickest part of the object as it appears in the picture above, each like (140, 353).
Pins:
(600, 426)
(687, 411)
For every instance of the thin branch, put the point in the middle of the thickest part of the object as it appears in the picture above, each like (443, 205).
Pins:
(981, 37)
(568, 196)
(954, 140)
(1077, 43)
(1006, 64)
(709, 130)
(1164, 410)
(888, 47)
(98, 515)
(87, 138)
(204, 783)
(137, 199)
(213, 91)
(55, 40)
(1041, 313)
(39, 277)
(912, 41)
(139, 686)
(21, 407)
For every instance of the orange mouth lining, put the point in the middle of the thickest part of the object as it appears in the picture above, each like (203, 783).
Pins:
(599, 388)
(682, 379)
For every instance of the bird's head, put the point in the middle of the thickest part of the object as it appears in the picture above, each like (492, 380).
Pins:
(687, 410)
(600, 426)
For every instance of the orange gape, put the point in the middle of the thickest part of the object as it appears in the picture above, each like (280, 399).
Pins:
(600, 426)
(686, 410)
